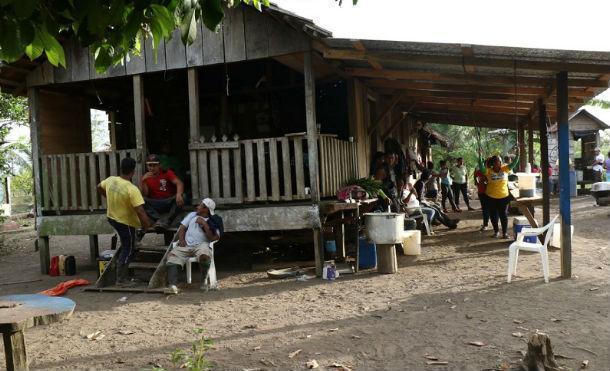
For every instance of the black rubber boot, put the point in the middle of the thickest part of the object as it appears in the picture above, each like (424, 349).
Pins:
(172, 274)
(122, 279)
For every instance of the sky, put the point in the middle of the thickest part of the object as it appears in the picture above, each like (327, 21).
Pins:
(555, 24)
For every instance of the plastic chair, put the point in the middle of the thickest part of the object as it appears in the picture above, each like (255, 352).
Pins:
(513, 250)
(211, 282)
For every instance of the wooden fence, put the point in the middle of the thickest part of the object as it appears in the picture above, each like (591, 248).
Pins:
(69, 181)
(267, 169)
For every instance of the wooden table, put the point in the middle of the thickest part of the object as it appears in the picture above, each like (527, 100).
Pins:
(19, 312)
(526, 206)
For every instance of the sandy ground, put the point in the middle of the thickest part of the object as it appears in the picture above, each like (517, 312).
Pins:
(454, 293)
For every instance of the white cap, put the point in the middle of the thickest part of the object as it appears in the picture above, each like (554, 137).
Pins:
(210, 204)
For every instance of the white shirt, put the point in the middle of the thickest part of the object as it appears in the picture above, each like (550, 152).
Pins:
(195, 235)
(413, 202)
(599, 159)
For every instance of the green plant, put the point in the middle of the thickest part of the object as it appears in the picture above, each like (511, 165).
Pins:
(372, 186)
(195, 360)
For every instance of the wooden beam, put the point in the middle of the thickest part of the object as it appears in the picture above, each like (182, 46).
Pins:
(384, 114)
(470, 108)
(383, 83)
(312, 131)
(578, 67)
(357, 44)
(530, 143)
(479, 79)
(544, 163)
(467, 52)
(563, 134)
(393, 126)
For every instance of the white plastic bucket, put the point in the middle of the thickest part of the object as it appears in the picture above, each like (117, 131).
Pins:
(411, 242)
(384, 228)
(556, 240)
(527, 184)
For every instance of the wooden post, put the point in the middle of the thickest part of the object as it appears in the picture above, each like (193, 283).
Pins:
(34, 103)
(522, 156)
(530, 142)
(14, 350)
(193, 93)
(113, 146)
(312, 151)
(564, 174)
(94, 249)
(140, 122)
(45, 256)
(544, 163)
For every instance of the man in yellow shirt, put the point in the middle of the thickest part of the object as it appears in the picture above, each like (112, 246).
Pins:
(125, 213)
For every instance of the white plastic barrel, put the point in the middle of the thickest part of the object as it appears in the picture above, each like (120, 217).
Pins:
(527, 184)
(384, 228)
(556, 240)
(411, 242)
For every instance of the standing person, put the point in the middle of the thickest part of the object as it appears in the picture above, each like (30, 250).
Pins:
(386, 174)
(497, 193)
(459, 173)
(125, 213)
(480, 180)
(607, 167)
(598, 162)
(163, 192)
(423, 178)
(446, 192)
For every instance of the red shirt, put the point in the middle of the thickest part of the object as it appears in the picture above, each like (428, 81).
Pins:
(481, 179)
(160, 186)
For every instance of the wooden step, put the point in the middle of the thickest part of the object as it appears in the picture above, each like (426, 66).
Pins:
(158, 248)
(143, 265)
(142, 289)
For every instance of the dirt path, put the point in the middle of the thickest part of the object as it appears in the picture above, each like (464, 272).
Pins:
(454, 293)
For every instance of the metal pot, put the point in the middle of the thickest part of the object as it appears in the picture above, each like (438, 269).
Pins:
(384, 228)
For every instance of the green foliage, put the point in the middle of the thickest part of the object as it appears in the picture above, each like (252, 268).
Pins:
(13, 112)
(466, 143)
(195, 360)
(23, 183)
(599, 103)
(372, 186)
(110, 28)
(13, 108)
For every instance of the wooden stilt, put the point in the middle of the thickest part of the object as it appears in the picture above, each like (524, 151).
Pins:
(318, 251)
(94, 249)
(45, 256)
(14, 351)
(544, 163)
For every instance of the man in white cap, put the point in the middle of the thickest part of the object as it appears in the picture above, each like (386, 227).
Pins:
(598, 169)
(196, 231)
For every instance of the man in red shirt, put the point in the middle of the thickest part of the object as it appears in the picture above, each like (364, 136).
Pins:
(163, 193)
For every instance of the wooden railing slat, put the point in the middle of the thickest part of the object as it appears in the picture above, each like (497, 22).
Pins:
(239, 192)
(103, 172)
(262, 170)
(214, 173)
(226, 173)
(194, 174)
(286, 168)
(250, 188)
(73, 189)
(55, 183)
(298, 164)
(46, 186)
(112, 163)
(204, 188)
(82, 173)
(274, 167)
(92, 181)
(63, 163)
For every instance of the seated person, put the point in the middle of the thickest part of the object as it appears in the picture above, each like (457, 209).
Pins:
(163, 193)
(196, 231)
(412, 206)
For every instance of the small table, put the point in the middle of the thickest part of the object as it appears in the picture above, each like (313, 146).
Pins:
(526, 206)
(19, 312)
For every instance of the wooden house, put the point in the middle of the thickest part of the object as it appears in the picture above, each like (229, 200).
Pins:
(271, 115)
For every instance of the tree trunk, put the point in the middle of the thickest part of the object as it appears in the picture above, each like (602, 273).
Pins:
(539, 356)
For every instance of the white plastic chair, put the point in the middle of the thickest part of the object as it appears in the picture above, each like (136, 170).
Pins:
(519, 244)
(211, 282)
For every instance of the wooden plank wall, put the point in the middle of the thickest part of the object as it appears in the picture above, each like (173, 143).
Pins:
(245, 34)
(338, 164)
(65, 123)
(64, 190)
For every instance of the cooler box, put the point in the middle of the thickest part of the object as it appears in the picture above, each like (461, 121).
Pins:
(367, 254)
(519, 223)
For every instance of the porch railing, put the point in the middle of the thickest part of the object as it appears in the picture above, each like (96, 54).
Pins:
(69, 181)
(267, 169)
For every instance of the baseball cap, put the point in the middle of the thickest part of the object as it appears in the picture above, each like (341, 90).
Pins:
(152, 158)
(210, 204)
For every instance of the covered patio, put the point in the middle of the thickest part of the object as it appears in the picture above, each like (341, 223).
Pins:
(525, 90)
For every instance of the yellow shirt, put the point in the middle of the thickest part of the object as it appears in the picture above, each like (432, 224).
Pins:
(122, 197)
(497, 183)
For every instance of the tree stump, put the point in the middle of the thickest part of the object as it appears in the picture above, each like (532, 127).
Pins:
(386, 259)
(539, 356)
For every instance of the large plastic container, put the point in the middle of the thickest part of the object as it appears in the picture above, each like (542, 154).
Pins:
(519, 223)
(556, 240)
(367, 254)
(573, 184)
(411, 242)
(384, 228)
(527, 184)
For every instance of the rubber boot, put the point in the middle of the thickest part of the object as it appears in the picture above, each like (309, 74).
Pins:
(172, 279)
(122, 279)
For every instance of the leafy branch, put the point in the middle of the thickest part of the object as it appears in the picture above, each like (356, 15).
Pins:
(599, 103)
